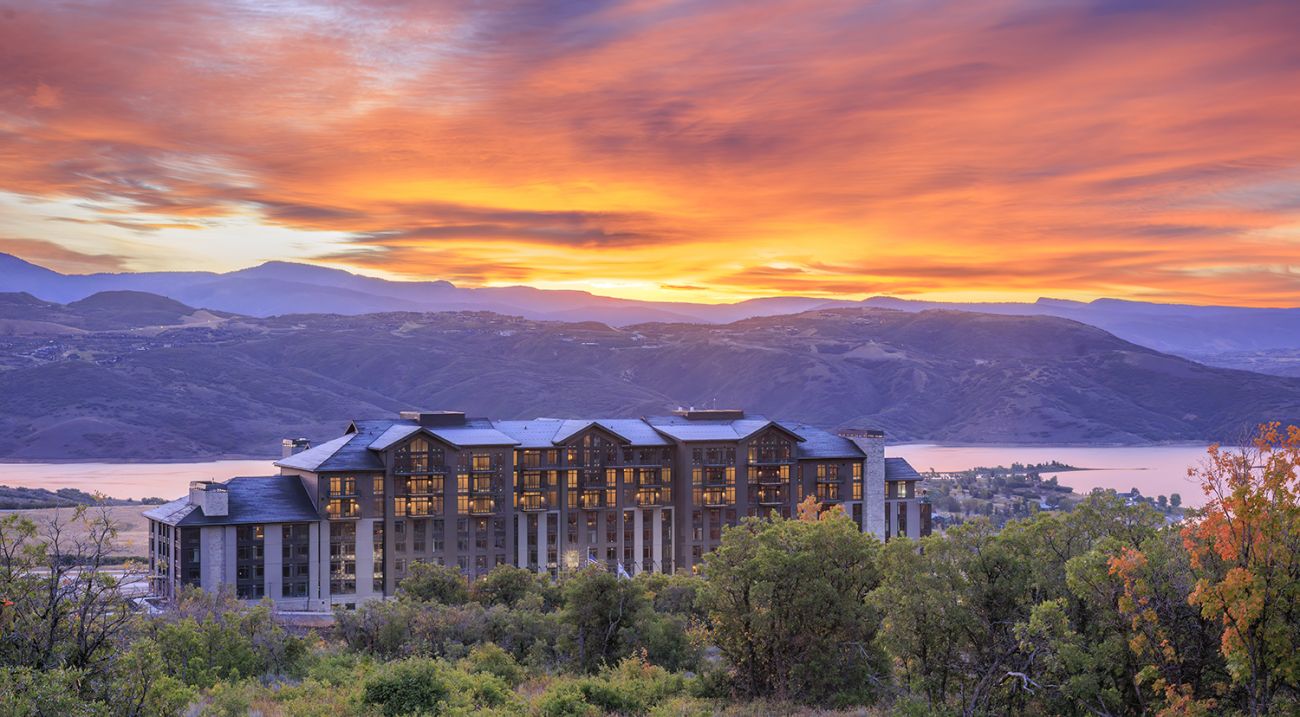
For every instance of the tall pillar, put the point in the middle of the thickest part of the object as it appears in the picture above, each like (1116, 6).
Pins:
(212, 557)
(521, 540)
(315, 571)
(638, 541)
(229, 562)
(541, 542)
(366, 558)
(657, 535)
(872, 443)
(273, 560)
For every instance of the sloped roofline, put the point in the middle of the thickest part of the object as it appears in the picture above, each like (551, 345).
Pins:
(558, 439)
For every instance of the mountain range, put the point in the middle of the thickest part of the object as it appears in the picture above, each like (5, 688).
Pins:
(1259, 339)
(129, 375)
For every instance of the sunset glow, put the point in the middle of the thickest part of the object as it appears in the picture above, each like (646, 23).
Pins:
(702, 151)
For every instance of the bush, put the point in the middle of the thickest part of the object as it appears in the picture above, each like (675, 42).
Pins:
(490, 659)
(507, 585)
(209, 638)
(430, 582)
(415, 686)
(632, 688)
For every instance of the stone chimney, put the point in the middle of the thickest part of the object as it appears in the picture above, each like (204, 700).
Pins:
(210, 497)
(872, 443)
(290, 446)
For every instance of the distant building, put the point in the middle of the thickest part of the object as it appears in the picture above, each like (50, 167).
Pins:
(344, 520)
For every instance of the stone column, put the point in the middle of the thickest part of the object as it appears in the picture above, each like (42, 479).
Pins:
(521, 540)
(638, 541)
(318, 575)
(228, 569)
(541, 542)
(212, 557)
(273, 560)
(366, 558)
(657, 535)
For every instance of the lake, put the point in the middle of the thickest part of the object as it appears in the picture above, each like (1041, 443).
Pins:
(1154, 470)
(128, 480)
(1151, 469)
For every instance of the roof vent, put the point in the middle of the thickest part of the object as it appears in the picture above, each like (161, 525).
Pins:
(710, 414)
(435, 419)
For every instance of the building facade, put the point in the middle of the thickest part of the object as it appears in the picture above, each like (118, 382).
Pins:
(345, 520)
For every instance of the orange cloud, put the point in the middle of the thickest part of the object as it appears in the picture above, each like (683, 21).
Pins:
(999, 149)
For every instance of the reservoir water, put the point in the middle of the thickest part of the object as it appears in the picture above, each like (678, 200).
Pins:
(1154, 470)
(1151, 469)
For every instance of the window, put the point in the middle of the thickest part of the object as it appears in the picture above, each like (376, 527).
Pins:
(295, 551)
(341, 498)
(857, 481)
(770, 448)
(250, 564)
(343, 558)
(377, 579)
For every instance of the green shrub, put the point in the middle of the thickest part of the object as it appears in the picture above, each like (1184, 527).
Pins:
(430, 582)
(414, 686)
(565, 698)
(490, 659)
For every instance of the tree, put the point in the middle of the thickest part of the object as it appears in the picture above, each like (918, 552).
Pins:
(1245, 549)
(507, 585)
(430, 582)
(67, 608)
(786, 605)
(600, 617)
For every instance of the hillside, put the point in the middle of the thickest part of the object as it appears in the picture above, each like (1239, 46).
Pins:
(1233, 337)
(237, 385)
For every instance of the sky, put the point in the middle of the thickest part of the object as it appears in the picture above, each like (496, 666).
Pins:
(684, 151)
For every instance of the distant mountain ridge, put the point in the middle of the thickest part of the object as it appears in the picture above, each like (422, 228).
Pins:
(127, 375)
(1260, 339)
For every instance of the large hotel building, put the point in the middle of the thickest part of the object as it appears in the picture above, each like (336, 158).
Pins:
(344, 520)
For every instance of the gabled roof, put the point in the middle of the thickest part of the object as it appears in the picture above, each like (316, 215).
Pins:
(536, 433)
(821, 444)
(312, 458)
(550, 432)
(687, 429)
(477, 432)
(396, 433)
(252, 499)
(570, 428)
(361, 448)
(900, 469)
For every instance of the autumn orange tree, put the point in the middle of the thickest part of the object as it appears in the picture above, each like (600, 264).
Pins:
(1243, 549)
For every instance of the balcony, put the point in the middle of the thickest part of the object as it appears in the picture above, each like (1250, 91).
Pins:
(337, 508)
(418, 507)
(482, 487)
(653, 498)
(530, 502)
(591, 499)
(771, 497)
(480, 506)
(763, 477)
(416, 468)
(716, 499)
(410, 488)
